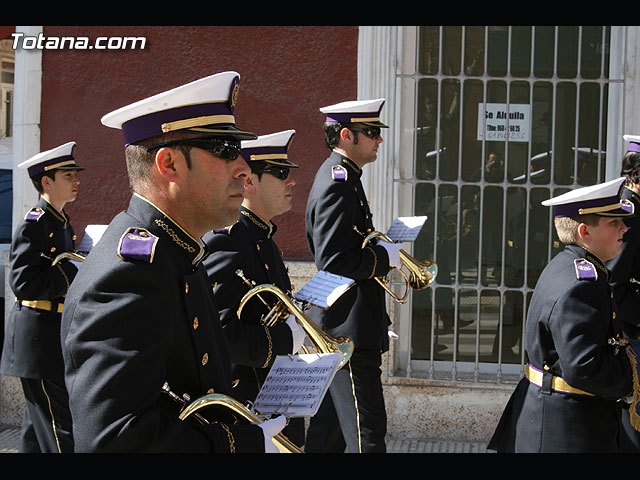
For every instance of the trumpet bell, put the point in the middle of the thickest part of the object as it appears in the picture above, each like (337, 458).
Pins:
(421, 273)
(341, 345)
(322, 342)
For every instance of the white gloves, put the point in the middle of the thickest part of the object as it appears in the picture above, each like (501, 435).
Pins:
(270, 429)
(297, 332)
(393, 250)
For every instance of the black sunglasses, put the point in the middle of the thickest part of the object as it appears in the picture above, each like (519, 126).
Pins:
(372, 132)
(280, 173)
(225, 148)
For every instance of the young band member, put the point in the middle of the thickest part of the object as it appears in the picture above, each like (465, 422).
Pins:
(31, 347)
(576, 372)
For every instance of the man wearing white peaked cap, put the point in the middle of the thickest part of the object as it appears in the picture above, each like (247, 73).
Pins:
(249, 245)
(142, 320)
(338, 218)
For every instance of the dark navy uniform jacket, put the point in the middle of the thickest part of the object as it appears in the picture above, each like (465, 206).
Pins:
(625, 271)
(140, 313)
(570, 320)
(248, 245)
(337, 220)
(32, 338)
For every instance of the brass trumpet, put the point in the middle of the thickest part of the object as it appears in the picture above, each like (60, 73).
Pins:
(421, 273)
(233, 412)
(71, 255)
(322, 342)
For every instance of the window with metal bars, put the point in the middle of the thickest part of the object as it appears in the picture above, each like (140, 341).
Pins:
(505, 117)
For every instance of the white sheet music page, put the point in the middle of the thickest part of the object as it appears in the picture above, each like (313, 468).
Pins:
(92, 233)
(324, 289)
(406, 229)
(296, 384)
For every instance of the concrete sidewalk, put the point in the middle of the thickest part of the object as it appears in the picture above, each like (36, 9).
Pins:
(408, 445)
(9, 437)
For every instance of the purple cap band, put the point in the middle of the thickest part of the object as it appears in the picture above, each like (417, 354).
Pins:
(246, 152)
(349, 116)
(150, 125)
(40, 167)
(572, 209)
(634, 147)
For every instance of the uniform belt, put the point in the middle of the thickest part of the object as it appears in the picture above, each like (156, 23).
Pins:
(47, 305)
(557, 383)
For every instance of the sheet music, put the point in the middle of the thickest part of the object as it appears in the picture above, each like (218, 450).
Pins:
(296, 384)
(92, 233)
(324, 289)
(406, 229)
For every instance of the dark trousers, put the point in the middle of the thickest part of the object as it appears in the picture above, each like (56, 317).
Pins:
(353, 417)
(46, 425)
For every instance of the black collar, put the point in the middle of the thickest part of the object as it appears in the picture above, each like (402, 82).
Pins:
(61, 217)
(163, 226)
(353, 166)
(258, 226)
(628, 193)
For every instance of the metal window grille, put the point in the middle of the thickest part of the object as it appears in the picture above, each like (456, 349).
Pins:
(504, 118)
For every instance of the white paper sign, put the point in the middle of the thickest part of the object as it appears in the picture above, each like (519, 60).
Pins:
(501, 121)
(296, 384)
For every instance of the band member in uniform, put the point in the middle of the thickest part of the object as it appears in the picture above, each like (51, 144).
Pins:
(31, 348)
(576, 370)
(337, 220)
(248, 246)
(625, 270)
(141, 312)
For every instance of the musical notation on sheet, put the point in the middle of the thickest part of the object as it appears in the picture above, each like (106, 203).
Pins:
(324, 289)
(296, 384)
(406, 229)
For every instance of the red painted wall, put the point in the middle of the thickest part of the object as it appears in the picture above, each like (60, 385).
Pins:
(6, 31)
(287, 74)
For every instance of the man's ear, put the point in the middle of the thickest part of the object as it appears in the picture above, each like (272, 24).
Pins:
(346, 135)
(165, 163)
